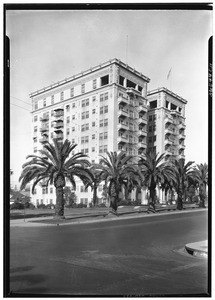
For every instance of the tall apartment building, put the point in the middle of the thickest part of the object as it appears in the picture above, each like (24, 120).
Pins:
(101, 109)
(166, 123)
(166, 126)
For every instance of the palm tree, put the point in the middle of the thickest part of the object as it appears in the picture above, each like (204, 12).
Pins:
(202, 179)
(116, 171)
(184, 177)
(95, 181)
(155, 172)
(53, 166)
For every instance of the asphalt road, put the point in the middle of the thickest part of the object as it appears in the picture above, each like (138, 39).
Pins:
(134, 257)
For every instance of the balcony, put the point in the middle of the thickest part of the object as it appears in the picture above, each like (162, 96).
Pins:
(123, 100)
(44, 140)
(167, 142)
(45, 117)
(58, 124)
(142, 144)
(44, 128)
(142, 132)
(123, 113)
(122, 126)
(168, 119)
(58, 136)
(181, 126)
(175, 112)
(122, 139)
(142, 121)
(168, 130)
(168, 151)
(181, 136)
(181, 146)
(59, 112)
(142, 109)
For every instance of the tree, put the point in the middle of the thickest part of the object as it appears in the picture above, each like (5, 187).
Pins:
(155, 172)
(116, 169)
(70, 197)
(95, 181)
(53, 166)
(201, 172)
(184, 178)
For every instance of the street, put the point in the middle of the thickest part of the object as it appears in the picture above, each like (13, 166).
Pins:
(133, 257)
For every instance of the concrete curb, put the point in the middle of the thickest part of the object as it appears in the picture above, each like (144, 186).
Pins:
(199, 249)
(122, 216)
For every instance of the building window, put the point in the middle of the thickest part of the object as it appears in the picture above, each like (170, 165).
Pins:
(73, 105)
(44, 102)
(93, 137)
(52, 113)
(67, 131)
(105, 148)
(94, 98)
(93, 124)
(86, 151)
(150, 118)
(93, 149)
(36, 106)
(35, 140)
(62, 96)
(105, 122)
(71, 92)
(105, 135)
(73, 141)
(104, 109)
(94, 84)
(103, 97)
(101, 136)
(150, 128)
(83, 88)
(73, 128)
(93, 111)
(52, 99)
(67, 108)
(35, 118)
(67, 120)
(100, 149)
(101, 123)
(85, 102)
(104, 80)
(85, 127)
(51, 190)
(85, 115)
(35, 149)
(73, 117)
(35, 128)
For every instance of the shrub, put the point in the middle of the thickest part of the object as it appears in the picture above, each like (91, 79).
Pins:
(102, 205)
(17, 205)
(41, 206)
(81, 205)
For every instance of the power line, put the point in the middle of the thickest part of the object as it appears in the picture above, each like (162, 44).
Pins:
(20, 107)
(20, 100)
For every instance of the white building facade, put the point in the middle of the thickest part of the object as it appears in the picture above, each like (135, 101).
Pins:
(101, 109)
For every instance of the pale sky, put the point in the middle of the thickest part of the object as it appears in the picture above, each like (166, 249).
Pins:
(48, 46)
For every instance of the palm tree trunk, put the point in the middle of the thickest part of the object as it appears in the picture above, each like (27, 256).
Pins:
(94, 195)
(180, 199)
(152, 195)
(59, 207)
(202, 195)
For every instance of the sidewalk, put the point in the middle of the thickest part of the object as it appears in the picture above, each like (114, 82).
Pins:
(91, 218)
(198, 249)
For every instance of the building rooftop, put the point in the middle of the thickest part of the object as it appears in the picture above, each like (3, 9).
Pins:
(88, 71)
(165, 90)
